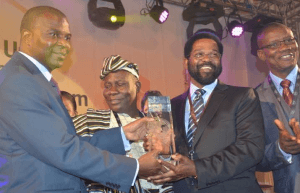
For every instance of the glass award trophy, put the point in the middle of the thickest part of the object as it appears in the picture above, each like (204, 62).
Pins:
(161, 134)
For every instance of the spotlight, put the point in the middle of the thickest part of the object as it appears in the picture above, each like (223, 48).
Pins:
(107, 18)
(197, 14)
(236, 29)
(159, 13)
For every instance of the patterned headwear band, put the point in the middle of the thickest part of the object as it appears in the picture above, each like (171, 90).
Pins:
(115, 63)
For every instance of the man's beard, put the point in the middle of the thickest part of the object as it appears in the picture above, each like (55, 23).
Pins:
(210, 77)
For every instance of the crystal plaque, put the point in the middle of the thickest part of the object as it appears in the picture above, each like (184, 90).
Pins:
(161, 135)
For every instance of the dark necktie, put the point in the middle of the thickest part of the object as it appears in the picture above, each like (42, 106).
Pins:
(198, 105)
(287, 94)
(55, 86)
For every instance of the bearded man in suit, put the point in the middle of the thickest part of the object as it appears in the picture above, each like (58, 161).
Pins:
(40, 151)
(219, 132)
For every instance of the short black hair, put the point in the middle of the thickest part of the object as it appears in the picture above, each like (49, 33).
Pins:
(70, 97)
(30, 17)
(147, 94)
(202, 34)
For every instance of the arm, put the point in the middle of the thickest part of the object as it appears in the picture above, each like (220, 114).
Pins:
(34, 119)
(274, 159)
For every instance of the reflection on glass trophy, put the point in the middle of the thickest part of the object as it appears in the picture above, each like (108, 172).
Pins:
(161, 134)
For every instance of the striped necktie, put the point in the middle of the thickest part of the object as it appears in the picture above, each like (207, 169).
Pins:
(198, 105)
(287, 94)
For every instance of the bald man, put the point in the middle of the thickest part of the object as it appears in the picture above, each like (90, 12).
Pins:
(39, 149)
(279, 97)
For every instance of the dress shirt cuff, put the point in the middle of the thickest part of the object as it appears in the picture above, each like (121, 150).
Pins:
(125, 141)
(136, 172)
(287, 156)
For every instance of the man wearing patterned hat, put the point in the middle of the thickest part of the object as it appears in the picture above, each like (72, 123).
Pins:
(121, 86)
(219, 133)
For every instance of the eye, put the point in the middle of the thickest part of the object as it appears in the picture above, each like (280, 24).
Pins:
(214, 55)
(107, 86)
(289, 41)
(198, 55)
(274, 45)
(120, 83)
(53, 35)
(68, 38)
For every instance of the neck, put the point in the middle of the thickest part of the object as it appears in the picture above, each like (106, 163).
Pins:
(196, 83)
(133, 112)
(282, 74)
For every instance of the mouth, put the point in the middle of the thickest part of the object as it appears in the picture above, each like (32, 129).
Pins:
(114, 101)
(206, 68)
(287, 57)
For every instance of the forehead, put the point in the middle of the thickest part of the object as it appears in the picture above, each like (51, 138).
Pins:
(205, 44)
(119, 75)
(273, 34)
(49, 20)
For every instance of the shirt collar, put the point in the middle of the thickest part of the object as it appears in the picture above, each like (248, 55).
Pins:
(42, 68)
(208, 88)
(291, 77)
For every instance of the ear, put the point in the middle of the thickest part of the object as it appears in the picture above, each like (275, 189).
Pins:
(185, 63)
(138, 86)
(261, 55)
(26, 37)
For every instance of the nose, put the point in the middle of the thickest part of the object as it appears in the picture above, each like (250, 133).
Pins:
(205, 57)
(113, 90)
(63, 42)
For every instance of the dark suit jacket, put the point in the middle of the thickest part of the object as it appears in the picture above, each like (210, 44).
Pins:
(39, 149)
(229, 141)
(286, 176)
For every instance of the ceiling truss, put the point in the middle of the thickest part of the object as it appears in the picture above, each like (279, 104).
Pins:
(287, 10)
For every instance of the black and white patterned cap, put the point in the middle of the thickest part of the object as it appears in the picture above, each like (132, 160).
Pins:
(115, 63)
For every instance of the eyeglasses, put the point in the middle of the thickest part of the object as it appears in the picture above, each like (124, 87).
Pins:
(211, 55)
(277, 44)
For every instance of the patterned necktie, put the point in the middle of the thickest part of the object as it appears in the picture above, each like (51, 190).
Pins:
(287, 94)
(198, 105)
(55, 85)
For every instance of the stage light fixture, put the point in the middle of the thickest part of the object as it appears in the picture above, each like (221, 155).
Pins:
(197, 14)
(235, 28)
(107, 18)
(159, 13)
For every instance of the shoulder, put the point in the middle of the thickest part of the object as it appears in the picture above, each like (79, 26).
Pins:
(179, 98)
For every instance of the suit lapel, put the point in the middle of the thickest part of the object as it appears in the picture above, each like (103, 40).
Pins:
(180, 115)
(217, 97)
(267, 95)
(31, 68)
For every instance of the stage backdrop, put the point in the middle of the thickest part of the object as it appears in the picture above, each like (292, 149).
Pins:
(156, 48)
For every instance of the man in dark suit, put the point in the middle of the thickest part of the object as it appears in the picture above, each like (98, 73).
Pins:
(279, 97)
(39, 149)
(228, 139)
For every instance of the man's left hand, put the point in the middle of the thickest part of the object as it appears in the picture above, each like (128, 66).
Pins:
(184, 168)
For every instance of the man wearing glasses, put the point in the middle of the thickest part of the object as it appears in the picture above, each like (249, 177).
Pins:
(280, 102)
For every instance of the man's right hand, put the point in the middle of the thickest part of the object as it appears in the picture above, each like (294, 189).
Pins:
(289, 143)
(138, 129)
(149, 165)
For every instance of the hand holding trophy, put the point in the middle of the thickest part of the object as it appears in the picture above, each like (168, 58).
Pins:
(160, 134)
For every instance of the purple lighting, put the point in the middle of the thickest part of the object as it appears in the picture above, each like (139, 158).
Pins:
(235, 28)
(237, 31)
(164, 16)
